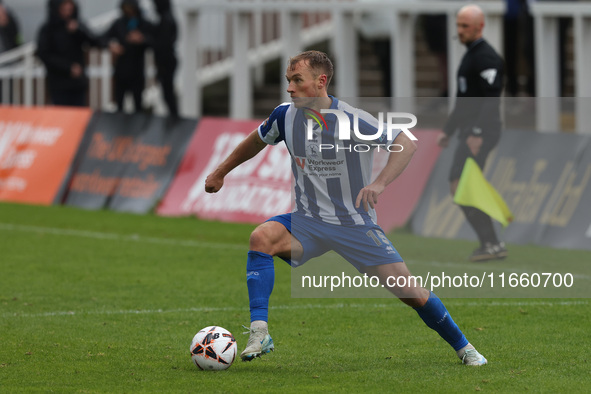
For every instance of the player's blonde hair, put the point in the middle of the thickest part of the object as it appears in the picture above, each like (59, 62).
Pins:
(317, 61)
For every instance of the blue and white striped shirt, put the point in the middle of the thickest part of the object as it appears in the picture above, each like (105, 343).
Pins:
(327, 181)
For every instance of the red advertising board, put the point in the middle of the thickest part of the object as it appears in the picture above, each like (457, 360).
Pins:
(261, 187)
(253, 192)
(37, 146)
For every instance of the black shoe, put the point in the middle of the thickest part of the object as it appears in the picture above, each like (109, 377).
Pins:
(500, 250)
(488, 252)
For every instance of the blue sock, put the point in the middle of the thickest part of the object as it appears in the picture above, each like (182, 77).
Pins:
(260, 278)
(436, 316)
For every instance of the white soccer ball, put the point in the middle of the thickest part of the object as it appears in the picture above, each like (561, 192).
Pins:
(213, 348)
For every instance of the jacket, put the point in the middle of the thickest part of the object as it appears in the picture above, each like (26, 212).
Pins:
(59, 49)
(131, 64)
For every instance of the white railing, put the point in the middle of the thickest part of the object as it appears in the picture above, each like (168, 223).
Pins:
(23, 76)
(234, 38)
(253, 37)
(403, 12)
(546, 16)
(341, 31)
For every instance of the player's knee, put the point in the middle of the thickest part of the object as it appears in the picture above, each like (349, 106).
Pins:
(260, 241)
(413, 296)
(408, 293)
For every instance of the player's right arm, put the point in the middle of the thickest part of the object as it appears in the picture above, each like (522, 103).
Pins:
(247, 149)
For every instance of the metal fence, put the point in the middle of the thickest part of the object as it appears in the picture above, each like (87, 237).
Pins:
(233, 39)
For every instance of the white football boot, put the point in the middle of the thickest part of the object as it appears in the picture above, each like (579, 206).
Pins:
(259, 343)
(472, 357)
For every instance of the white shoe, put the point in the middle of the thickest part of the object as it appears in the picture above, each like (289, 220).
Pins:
(259, 343)
(472, 357)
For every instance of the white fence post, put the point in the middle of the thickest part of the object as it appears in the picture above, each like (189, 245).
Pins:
(189, 64)
(582, 27)
(546, 48)
(105, 80)
(403, 64)
(28, 79)
(259, 70)
(455, 51)
(93, 91)
(291, 25)
(40, 83)
(345, 48)
(240, 82)
(6, 90)
(493, 31)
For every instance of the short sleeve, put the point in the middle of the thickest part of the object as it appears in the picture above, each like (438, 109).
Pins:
(272, 130)
(490, 74)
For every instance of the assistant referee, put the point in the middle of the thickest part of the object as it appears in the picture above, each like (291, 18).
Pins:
(476, 118)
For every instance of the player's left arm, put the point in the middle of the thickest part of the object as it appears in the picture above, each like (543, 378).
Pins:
(397, 162)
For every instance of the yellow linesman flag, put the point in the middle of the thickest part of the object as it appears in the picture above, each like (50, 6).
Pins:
(475, 191)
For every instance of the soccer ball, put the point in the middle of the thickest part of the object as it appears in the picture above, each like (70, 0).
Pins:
(213, 348)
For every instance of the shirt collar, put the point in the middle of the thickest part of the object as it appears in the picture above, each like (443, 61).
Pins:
(335, 102)
(474, 43)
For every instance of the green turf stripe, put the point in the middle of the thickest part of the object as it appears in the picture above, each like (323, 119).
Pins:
(117, 237)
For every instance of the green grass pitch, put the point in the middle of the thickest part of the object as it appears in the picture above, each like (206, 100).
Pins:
(104, 302)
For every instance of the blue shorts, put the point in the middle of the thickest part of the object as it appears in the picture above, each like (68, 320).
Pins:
(360, 245)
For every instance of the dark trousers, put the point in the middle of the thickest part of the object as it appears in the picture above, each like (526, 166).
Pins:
(166, 79)
(135, 87)
(480, 222)
(68, 98)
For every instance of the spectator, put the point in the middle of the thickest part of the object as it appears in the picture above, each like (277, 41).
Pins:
(61, 46)
(128, 38)
(9, 34)
(9, 29)
(165, 36)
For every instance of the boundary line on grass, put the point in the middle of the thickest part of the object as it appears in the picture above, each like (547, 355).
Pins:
(118, 237)
(281, 307)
